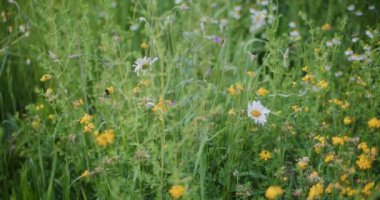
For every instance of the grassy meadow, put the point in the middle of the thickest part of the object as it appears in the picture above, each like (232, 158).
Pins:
(189, 99)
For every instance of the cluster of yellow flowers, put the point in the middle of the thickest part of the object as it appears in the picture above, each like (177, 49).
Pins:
(374, 123)
(340, 103)
(106, 138)
(88, 125)
(236, 89)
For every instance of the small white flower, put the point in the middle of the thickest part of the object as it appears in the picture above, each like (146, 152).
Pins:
(348, 52)
(358, 13)
(355, 39)
(258, 112)
(351, 7)
(369, 34)
(144, 64)
(292, 25)
(371, 7)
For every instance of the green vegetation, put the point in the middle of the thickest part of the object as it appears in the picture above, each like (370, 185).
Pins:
(188, 99)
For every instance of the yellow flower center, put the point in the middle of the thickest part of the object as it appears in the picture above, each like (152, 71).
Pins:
(256, 113)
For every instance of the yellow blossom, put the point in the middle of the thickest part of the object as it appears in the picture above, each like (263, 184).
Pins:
(45, 77)
(85, 119)
(326, 27)
(251, 74)
(348, 120)
(329, 157)
(160, 106)
(86, 173)
(88, 127)
(52, 117)
(232, 112)
(274, 192)
(39, 107)
(265, 155)
(239, 87)
(315, 191)
(105, 138)
(78, 103)
(367, 190)
(337, 140)
(110, 90)
(262, 91)
(177, 191)
(364, 147)
(322, 84)
(48, 92)
(374, 123)
(364, 162)
(144, 45)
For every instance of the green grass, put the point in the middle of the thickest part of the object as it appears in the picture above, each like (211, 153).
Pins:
(198, 135)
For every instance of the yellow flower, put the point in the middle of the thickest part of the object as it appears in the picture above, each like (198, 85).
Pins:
(39, 107)
(367, 190)
(78, 103)
(86, 173)
(232, 112)
(105, 138)
(303, 163)
(45, 77)
(88, 127)
(251, 74)
(160, 106)
(315, 191)
(52, 117)
(239, 87)
(110, 90)
(322, 84)
(326, 27)
(305, 69)
(348, 191)
(262, 91)
(144, 45)
(374, 123)
(85, 119)
(48, 92)
(364, 162)
(265, 155)
(177, 191)
(348, 120)
(329, 157)
(273, 192)
(364, 147)
(36, 123)
(296, 109)
(231, 90)
(337, 140)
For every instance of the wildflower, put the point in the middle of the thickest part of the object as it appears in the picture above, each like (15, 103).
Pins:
(265, 155)
(273, 192)
(36, 123)
(144, 45)
(85, 119)
(364, 162)
(303, 163)
(322, 84)
(144, 64)
(136, 90)
(364, 147)
(88, 127)
(86, 173)
(232, 112)
(348, 191)
(48, 93)
(105, 138)
(251, 74)
(231, 90)
(313, 177)
(262, 91)
(239, 87)
(347, 120)
(109, 90)
(296, 109)
(39, 107)
(45, 77)
(52, 117)
(295, 35)
(78, 103)
(177, 191)
(315, 191)
(258, 112)
(367, 190)
(329, 157)
(326, 27)
(374, 123)
(160, 106)
(337, 140)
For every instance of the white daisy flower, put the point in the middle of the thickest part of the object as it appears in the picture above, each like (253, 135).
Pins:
(143, 64)
(258, 112)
